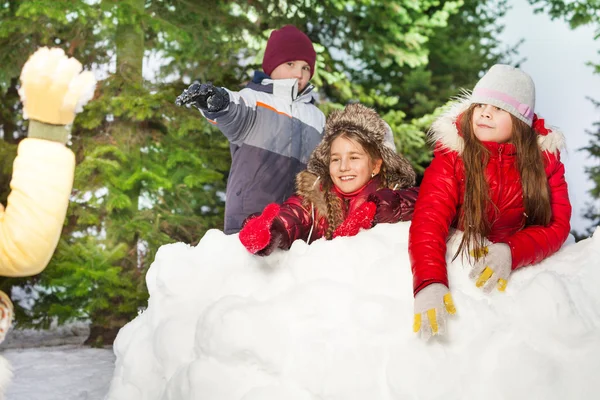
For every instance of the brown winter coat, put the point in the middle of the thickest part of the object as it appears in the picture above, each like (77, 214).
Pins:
(304, 215)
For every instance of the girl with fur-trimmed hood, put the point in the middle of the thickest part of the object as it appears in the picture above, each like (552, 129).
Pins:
(354, 180)
(497, 176)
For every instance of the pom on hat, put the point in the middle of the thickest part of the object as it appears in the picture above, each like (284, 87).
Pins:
(508, 88)
(288, 44)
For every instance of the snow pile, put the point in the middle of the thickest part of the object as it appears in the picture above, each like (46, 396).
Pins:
(333, 320)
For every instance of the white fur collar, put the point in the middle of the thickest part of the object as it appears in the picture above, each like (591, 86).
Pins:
(444, 131)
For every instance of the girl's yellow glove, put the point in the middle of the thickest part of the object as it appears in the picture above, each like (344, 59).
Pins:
(432, 305)
(493, 267)
(53, 88)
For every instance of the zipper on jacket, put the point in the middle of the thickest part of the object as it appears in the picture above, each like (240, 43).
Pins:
(499, 194)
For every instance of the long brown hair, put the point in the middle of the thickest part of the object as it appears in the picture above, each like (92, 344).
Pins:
(475, 156)
(335, 213)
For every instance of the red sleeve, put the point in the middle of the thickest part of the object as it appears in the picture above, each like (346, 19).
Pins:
(434, 212)
(296, 221)
(534, 243)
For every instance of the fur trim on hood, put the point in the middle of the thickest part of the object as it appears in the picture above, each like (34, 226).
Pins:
(396, 171)
(445, 132)
(308, 186)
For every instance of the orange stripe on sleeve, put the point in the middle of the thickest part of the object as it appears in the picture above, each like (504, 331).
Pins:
(261, 104)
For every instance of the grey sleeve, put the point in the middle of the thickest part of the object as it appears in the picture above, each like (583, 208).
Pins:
(238, 119)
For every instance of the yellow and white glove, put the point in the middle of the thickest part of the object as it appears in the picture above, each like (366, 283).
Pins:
(53, 89)
(493, 267)
(432, 305)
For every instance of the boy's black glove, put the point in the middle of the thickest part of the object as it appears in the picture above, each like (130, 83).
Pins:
(204, 96)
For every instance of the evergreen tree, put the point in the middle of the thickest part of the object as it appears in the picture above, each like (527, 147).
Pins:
(579, 13)
(593, 148)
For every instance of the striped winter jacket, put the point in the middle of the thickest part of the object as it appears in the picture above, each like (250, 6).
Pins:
(272, 131)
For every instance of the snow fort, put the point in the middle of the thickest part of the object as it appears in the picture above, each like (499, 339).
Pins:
(333, 321)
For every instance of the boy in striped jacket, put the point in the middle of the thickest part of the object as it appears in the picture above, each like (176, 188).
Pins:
(272, 125)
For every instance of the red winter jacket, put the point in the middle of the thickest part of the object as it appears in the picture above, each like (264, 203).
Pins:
(442, 193)
(300, 212)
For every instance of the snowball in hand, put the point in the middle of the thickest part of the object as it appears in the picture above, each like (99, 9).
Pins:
(333, 320)
(53, 88)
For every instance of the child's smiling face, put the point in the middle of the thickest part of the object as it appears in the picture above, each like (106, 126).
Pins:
(298, 69)
(491, 124)
(350, 167)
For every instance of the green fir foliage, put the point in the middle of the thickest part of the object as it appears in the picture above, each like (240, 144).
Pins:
(579, 13)
(592, 211)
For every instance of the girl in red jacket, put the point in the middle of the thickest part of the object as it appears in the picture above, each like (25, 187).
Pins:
(497, 176)
(354, 180)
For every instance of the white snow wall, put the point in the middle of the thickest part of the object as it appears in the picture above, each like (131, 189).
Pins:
(333, 320)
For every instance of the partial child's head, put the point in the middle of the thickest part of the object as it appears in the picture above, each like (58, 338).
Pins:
(290, 55)
(358, 145)
(501, 99)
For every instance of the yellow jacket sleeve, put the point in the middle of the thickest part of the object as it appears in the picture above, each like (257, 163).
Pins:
(32, 221)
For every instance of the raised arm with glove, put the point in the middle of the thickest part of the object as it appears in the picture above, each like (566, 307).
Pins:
(53, 89)
(204, 96)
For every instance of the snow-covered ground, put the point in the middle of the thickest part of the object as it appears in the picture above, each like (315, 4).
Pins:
(53, 364)
(333, 320)
(57, 335)
(59, 373)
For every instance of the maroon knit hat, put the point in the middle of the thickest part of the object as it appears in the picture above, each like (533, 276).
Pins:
(288, 44)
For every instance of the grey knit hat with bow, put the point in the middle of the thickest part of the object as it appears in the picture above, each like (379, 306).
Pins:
(508, 88)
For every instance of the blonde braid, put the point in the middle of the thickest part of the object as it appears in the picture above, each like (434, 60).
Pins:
(335, 214)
